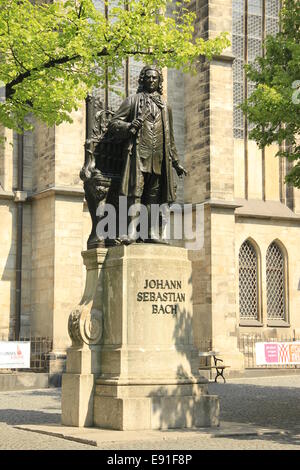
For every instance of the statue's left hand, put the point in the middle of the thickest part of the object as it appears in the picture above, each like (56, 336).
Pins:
(180, 170)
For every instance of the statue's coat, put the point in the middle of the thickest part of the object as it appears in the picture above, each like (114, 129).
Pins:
(131, 174)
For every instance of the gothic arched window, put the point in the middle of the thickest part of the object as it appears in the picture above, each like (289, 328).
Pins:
(249, 304)
(276, 283)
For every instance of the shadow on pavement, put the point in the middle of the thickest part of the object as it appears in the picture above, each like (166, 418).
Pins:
(53, 393)
(288, 439)
(13, 416)
(276, 407)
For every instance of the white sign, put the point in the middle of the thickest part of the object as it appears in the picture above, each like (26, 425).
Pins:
(14, 354)
(277, 353)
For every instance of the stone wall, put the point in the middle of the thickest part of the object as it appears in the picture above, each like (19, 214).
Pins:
(43, 244)
(44, 155)
(67, 285)
(69, 156)
(297, 200)
(7, 266)
(26, 302)
(221, 123)
(286, 232)
(6, 159)
(201, 279)
(272, 176)
(197, 138)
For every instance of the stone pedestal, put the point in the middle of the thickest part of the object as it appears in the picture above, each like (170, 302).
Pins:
(149, 365)
(133, 364)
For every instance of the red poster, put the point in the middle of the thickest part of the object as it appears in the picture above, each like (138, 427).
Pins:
(271, 353)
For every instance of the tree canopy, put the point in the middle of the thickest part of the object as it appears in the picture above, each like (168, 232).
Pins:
(274, 105)
(53, 53)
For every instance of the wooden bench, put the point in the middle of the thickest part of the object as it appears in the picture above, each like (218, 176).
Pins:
(219, 368)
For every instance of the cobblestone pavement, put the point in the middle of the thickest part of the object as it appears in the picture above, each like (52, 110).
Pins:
(269, 402)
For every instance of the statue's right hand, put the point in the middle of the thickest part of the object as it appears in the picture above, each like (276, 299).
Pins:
(136, 124)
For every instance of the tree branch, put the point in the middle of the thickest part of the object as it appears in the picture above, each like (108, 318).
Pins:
(16, 58)
(64, 60)
(80, 10)
(50, 64)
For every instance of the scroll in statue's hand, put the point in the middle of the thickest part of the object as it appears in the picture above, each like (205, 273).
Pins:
(135, 126)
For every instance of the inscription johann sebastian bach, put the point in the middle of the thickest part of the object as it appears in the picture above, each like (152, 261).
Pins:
(165, 302)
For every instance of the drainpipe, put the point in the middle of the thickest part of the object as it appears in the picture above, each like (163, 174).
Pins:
(19, 227)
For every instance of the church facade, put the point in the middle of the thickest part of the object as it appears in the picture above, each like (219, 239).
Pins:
(246, 276)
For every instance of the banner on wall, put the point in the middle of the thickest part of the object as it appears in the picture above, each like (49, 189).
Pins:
(277, 353)
(14, 354)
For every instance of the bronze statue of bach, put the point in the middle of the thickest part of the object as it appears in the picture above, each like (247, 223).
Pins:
(145, 121)
(142, 128)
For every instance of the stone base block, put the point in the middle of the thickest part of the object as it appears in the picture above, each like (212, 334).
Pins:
(83, 360)
(132, 411)
(77, 399)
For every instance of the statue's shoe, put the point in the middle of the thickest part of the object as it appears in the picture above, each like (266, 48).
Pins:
(125, 240)
(157, 241)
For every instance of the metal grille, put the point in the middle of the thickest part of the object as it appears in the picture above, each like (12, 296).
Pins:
(255, 33)
(275, 283)
(272, 15)
(248, 282)
(39, 351)
(238, 71)
(246, 344)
